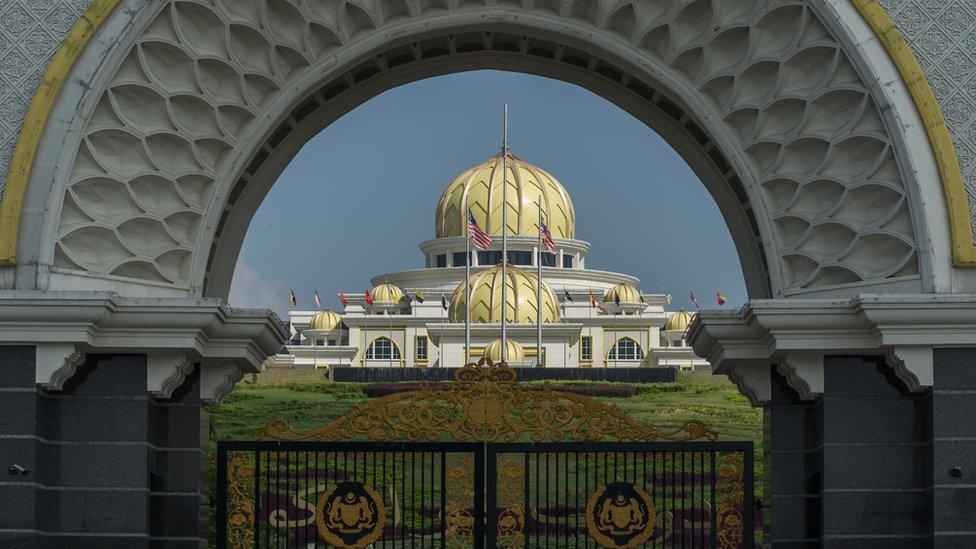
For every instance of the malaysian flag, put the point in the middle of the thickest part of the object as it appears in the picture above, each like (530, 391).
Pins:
(547, 242)
(318, 299)
(479, 238)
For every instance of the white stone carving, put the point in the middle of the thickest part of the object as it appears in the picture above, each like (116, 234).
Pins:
(166, 372)
(55, 363)
(913, 366)
(217, 381)
(779, 87)
(803, 370)
(753, 380)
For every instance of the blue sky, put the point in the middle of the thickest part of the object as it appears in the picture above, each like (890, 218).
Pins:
(360, 195)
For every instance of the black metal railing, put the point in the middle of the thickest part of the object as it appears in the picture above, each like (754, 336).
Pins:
(428, 494)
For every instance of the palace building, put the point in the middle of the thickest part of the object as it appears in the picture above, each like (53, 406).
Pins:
(590, 317)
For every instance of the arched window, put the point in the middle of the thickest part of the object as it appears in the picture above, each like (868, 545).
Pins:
(626, 349)
(382, 349)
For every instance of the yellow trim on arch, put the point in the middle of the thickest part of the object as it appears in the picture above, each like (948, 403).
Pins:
(36, 119)
(960, 219)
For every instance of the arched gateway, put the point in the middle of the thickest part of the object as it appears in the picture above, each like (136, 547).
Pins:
(159, 126)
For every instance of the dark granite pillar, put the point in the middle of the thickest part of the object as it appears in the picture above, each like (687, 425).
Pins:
(875, 458)
(105, 465)
(954, 448)
(19, 445)
(179, 500)
(793, 467)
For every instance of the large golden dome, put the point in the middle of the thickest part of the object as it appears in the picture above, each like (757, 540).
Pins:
(679, 321)
(486, 298)
(480, 189)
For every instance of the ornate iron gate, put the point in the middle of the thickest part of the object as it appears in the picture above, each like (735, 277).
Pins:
(488, 463)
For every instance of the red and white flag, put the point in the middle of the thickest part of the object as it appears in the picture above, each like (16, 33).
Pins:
(318, 299)
(547, 242)
(593, 302)
(479, 238)
(368, 297)
(343, 299)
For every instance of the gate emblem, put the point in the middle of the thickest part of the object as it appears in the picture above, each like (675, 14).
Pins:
(620, 514)
(350, 515)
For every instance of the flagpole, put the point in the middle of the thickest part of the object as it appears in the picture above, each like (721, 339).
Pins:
(589, 326)
(467, 288)
(504, 350)
(365, 331)
(538, 292)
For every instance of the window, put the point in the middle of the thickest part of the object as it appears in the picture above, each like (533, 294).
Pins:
(567, 261)
(626, 349)
(548, 259)
(586, 348)
(320, 342)
(441, 260)
(420, 352)
(520, 258)
(332, 342)
(382, 349)
(458, 259)
(490, 257)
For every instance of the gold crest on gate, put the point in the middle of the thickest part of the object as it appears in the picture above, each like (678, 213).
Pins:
(350, 515)
(619, 515)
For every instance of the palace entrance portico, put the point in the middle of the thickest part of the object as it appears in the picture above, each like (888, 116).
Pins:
(833, 141)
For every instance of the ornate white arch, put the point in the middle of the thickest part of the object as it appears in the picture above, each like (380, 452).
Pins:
(197, 107)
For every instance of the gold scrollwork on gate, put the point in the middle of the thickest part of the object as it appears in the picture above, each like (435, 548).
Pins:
(240, 502)
(458, 514)
(485, 403)
(511, 511)
(729, 526)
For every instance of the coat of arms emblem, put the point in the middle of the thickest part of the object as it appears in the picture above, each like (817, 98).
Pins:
(350, 515)
(620, 514)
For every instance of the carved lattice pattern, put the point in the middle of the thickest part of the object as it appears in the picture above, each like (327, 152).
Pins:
(192, 85)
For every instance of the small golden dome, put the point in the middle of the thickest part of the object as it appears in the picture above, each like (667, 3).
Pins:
(480, 189)
(486, 298)
(514, 351)
(627, 292)
(679, 321)
(325, 320)
(386, 293)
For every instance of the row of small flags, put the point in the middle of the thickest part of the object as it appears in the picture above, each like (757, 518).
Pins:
(419, 295)
(482, 240)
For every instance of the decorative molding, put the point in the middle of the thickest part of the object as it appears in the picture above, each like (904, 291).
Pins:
(55, 363)
(914, 366)
(217, 381)
(803, 371)
(174, 333)
(36, 119)
(754, 381)
(961, 221)
(166, 372)
(795, 332)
